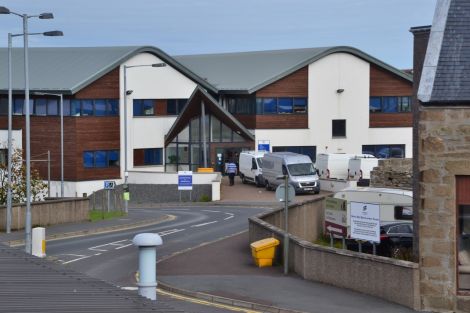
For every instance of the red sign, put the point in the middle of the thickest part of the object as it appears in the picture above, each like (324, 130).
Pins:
(336, 229)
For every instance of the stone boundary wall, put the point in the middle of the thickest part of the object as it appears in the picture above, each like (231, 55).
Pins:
(46, 213)
(393, 280)
(393, 173)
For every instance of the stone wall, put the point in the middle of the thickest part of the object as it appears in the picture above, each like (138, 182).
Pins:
(47, 213)
(390, 279)
(393, 173)
(444, 144)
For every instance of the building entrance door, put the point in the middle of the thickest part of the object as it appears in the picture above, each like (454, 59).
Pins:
(225, 154)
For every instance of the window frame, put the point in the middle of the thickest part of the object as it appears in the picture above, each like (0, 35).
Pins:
(399, 105)
(107, 164)
(341, 127)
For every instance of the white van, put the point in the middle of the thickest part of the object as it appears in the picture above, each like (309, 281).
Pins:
(250, 168)
(302, 174)
(396, 205)
(335, 165)
(360, 167)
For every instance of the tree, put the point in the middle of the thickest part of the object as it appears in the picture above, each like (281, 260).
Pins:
(18, 181)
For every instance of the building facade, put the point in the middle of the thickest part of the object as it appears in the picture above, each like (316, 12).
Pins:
(200, 110)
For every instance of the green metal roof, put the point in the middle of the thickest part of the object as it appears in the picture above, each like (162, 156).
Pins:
(67, 70)
(247, 72)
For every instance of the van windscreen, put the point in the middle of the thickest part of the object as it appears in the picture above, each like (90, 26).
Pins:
(302, 169)
(260, 162)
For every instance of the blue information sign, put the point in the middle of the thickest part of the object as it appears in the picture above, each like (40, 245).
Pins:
(264, 145)
(185, 180)
(109, 184)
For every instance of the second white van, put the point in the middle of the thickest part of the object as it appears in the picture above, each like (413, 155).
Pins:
(250, 167)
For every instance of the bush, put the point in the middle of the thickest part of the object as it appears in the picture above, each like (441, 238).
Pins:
(204, 198)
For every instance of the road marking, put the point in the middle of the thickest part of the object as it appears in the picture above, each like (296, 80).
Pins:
(230, 215)
(204, 224)
(203, 302)
(114, 243)
(175, 209)
(211, 211)
(123, 246)
(130, 288)
(169, 232)
(77, 259)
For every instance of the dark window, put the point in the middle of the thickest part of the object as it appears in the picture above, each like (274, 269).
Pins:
(41, 106)
(463, 231)
(175, 106)
(375, 104)
(181, 104)
(75, 107)
(405, 104)
(18, 106)
(66, 107)
(241, 105)
(4, 156)
(101, 158)
(300, 105)
(52, 107)
(269, 105)
(100, 107)
(113, 107)
(385, 151)
(339, 128)
(285, 105)
(143, 107)
(87, 107)
(390, 104)
(153, 156)
(3, 106)
(311, 151)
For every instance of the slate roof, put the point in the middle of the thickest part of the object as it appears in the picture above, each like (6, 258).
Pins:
(446, 71)
(246, 72)
(67, 70)
(30, 284)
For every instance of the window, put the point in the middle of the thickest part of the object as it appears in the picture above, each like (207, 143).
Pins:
(285, 105)
(18, 106)
(339, 128)
(175, 106)
(100, 107)
(52, 107)
(311, 151)
(300, 105)
(75, 107)
(143, 107)
(241, 105)
(113, 107)
(3, 106)
(385, 151)
(101, 158)
(463, 231)
(4, 156)
(41, 107)
(269, 105)
(153, 156)
(87, 107)
(66, 107)
(390, 104)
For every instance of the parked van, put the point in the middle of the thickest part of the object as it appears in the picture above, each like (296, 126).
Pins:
(250, 168)
(302, 174)
(360, 167)
(335, 165)
(396, 205)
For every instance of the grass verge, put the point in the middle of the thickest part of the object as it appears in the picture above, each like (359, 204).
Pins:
(97, 215)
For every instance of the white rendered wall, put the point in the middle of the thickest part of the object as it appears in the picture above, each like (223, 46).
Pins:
(77, 189)
(16, 136)
(149, 83)
(326, 76)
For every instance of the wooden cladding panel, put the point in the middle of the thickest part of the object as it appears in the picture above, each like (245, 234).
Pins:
(463, 189)
(96, 133)
(161, 107)
(293, 85)
(385, 83)
(105, 87)
(391, 120)
(247, 120)
(139, 157)
(282, 121)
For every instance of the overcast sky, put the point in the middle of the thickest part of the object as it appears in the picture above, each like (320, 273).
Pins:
(378, 27)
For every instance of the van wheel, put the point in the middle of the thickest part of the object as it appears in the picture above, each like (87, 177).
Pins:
(257, 182)
(243, 178)
(267, 186)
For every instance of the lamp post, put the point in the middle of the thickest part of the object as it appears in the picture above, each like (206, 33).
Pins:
(25, 34)
(125, 94)
(61, 97)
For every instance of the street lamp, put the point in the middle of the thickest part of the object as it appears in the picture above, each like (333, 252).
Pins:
(25, 34)
(127, 93)
(61, 97)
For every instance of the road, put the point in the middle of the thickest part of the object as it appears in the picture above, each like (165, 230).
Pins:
(113, 258)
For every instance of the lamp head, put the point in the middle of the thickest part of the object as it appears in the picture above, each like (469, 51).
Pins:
(4, 10)
(339, 90)
(46, 16)
(53, 33)
(129, 92)
(159, 65)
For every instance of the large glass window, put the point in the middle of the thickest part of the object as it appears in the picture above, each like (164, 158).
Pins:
(175, 106)
(285, 105)
(41, 107)
(75, 107)
(18, 106)
(52, 106)
(100, 107)
(153, 156)
(269, 105)
(100, 158)
(390, 104)
(300, 105)
(375, 104)
(195, 130)
(144, 107)
(385, 151)
(226, 133)
(241, 105)
(66, 103)
(87, 107)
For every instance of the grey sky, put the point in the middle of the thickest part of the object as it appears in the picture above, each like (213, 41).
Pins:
(378, 27)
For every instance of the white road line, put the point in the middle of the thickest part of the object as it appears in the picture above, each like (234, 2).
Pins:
(174, 209)
(211, 211)
(169, 232)
(129, 288)
(77, 259)
(114, 243)
(230, 215)
(123, 246)
(204, 224)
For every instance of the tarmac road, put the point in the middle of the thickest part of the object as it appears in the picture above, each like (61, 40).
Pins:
(112, 256)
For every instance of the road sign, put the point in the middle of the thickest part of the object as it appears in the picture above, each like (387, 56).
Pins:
(365, 221)
(280, 193)
(109, 184)
(185, 180)
(264, 145)
(335, 217)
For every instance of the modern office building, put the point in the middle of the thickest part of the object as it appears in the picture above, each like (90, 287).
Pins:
(199, 110)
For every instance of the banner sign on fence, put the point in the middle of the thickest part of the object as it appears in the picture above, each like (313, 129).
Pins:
(335, 217)
(185, 180)
(365, 221)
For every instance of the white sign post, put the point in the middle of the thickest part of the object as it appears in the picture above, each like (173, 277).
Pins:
(365, 221)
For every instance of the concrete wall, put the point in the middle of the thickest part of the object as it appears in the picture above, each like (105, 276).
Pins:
(394, 173)
(390, 279)
(47, 213)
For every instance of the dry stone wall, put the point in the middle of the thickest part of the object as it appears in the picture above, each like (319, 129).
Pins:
(392, 173)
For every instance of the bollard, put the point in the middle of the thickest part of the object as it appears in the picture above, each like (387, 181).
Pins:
(39, 242)
(147, 243)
